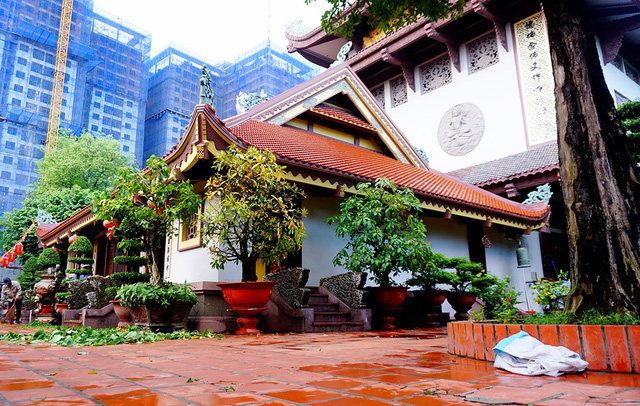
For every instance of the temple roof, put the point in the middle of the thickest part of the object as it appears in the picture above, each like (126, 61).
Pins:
(530, 162)
(301, 147)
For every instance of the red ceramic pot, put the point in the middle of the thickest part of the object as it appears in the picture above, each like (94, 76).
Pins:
(247, 295)
(461, 303)
(388, 297)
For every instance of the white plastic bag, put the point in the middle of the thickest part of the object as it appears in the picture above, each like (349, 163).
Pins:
(524, 355)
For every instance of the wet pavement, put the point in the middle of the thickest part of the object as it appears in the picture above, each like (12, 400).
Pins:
(409, 367)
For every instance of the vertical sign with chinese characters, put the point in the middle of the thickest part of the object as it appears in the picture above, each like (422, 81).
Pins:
(536, 79)
(167, 257)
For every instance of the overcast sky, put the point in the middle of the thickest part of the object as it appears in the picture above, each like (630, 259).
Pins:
(215, 30)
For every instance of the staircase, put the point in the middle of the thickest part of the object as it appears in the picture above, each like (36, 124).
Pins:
(328, 314)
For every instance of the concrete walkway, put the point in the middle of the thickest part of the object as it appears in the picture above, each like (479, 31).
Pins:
(403, 367)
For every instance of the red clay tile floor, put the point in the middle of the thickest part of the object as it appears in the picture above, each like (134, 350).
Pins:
(406, 367)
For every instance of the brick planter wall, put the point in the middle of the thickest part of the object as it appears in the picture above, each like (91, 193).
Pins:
(606, 348)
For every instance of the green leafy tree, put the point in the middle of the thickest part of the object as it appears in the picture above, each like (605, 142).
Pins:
(254, 213)
(629, 113)
(599, 177)
(147, 203)
(30, 274)
(87, 162)
(386, 236)
(70, 178)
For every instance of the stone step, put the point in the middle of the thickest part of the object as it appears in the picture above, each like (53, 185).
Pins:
(342, 317)
(72, 323)
(324, 327)
(325, 307)
(318, 298)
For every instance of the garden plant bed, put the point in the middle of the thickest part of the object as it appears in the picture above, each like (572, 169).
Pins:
(605, 347)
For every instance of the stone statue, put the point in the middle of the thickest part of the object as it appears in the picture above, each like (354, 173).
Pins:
(206, 92)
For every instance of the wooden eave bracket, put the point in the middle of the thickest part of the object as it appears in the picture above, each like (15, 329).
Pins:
(499, 22)
(611, 34)
(443, 35)
(402, 60)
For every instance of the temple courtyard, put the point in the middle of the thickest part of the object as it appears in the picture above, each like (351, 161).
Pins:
(406, 367)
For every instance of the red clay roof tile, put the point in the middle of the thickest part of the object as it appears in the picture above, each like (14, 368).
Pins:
(341, 115)
(354, 161)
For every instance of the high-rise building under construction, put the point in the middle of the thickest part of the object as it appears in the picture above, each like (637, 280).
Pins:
(108, 73)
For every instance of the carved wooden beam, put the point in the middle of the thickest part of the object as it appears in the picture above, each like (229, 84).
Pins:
(402, 60)
(611, 34)
(495, 17)
(512, 190)
(447, 214)
(449, 39)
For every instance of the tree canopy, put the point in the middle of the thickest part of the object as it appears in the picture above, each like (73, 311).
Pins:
(254, 212)
(147, 203)
(70, 177)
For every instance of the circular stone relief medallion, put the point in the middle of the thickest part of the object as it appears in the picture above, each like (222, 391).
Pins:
(461, 129)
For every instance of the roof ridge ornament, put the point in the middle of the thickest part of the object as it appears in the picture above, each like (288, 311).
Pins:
(206, 92)
(245, 101)
(542, 194)
(342, 54)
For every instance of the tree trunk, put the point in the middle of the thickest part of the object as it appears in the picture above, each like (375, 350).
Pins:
(156, 253)
(249, 270)
(599, 182)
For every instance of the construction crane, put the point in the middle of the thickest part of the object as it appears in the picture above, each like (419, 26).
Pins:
(58, 75)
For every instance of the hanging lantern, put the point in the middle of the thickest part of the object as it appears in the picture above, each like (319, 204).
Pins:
(57, 249)
(523, 256)
(73, 238)
(4, 261)
(11, 256)
(111, 226)
(18, 248)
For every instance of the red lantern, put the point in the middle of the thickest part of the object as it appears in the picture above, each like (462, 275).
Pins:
(111, 226)
(4, 261)
(11, 256)
(73, 238)
(57, 249)
(19, 248)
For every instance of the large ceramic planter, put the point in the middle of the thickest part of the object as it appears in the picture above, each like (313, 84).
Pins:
(430, 302)
(461, 303)
(387, 301)
(247, 299)
(60, 307)
(123, 313)
(158, 318)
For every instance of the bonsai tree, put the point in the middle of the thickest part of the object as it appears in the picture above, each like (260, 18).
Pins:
(254, 212)
(468, 276)
(130, 247)
(61, 297)
(30, 274)
(82, 248)
(431, 275)
(386, 236)
(48, 258)
(147, 203)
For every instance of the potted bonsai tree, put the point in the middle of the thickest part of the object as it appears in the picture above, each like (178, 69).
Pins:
(144, 207)
(120, 279)
(61, 301)
(427, 279)
(254, 214)
(468, 279)
(385, 237)
(81, 250)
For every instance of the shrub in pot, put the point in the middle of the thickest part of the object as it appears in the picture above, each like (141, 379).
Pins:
(163, 307)
(48, 258)
(468, 279)
(81, 251)
(385, 237)
(61, 301)
(254, 214)
(429, 297)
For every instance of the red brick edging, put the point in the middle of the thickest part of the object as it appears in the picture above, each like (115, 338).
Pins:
(606, 348)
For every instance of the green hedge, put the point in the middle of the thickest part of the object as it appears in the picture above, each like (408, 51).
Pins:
(48, 258)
